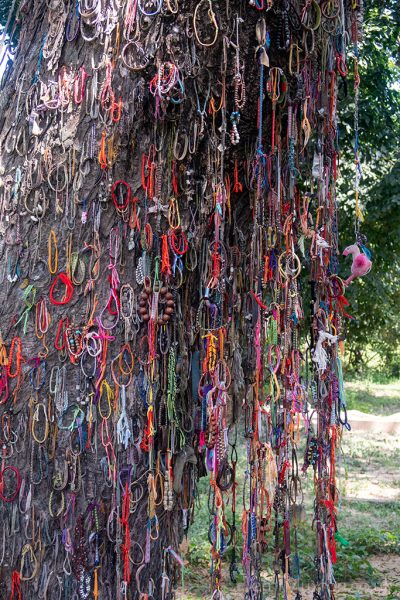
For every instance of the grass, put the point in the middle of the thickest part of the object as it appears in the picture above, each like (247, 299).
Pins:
(369, 514)
(359, 514)
(374, 398)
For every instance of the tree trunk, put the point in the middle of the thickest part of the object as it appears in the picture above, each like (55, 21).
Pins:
(134, 224)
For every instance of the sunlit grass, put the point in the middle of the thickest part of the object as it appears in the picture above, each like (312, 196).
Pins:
(373, 398)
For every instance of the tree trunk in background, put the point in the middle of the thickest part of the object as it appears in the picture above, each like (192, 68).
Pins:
(133, 229)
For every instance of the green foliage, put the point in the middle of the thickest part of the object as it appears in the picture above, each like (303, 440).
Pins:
(352, 559)
(5, 7)
(375, 299)
(394, 593)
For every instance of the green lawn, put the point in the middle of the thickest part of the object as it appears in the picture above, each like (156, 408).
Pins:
(374, 398)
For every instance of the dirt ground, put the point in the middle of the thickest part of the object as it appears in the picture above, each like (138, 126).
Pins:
(369, 480)
(388, 588)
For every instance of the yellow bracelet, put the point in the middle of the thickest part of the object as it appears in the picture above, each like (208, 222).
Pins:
(213, 21)
(109, 396)
(173, 7)
(52, 262)
(27, 548)
(62, 505)
(35, 419)
(174, 218)
(294, 273)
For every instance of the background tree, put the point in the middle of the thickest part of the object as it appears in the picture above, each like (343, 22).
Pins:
(375, 299)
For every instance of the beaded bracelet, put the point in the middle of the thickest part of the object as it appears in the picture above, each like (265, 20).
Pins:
(10, 497)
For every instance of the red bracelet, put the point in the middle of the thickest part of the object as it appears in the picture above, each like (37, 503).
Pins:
(174, 178)
(16, 593)
(179, 243)
(341, 65)
(16, 343)
(259, 302)
(69, 289)
(113, 298)
(3, 386)
(59, 342)
(146, 240)
(121, 207)
(18, 482)
(116, 110)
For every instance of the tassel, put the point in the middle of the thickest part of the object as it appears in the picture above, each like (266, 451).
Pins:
(124, 434)
(320, 356)
(147, 549)
(95, 585)
(165, 261)
(16, 593)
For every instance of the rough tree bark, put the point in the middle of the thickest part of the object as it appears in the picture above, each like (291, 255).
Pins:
(34, 140)
(76, 117)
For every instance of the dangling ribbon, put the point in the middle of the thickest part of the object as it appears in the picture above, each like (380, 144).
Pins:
(16, 593)
(124, 434)
(342, 303)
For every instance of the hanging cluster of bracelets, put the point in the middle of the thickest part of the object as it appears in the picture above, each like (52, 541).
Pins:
(170, 290)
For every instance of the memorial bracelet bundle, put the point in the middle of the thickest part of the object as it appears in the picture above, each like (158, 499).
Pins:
(169, 243)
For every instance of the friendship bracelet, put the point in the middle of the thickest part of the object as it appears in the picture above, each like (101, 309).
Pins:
(68, 292)
(8, 498)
